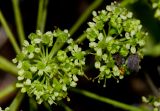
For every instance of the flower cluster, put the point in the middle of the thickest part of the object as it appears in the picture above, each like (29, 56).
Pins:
(117, 41)
(6, 109)
(153, 101)
(46, 76)
(156, 6)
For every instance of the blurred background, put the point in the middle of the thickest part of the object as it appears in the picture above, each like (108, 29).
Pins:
(63, 14)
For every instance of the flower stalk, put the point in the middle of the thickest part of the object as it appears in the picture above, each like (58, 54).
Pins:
(16, 102)
(9, 33)
(18, 20)
(7, 66)
(107, 100)
(42, 14)
(84, 16)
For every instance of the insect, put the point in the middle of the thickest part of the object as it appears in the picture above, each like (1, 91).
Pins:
(119, 60)
(133, 62)
(122, 70)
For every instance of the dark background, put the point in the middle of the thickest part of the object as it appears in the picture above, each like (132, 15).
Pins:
(63, 14)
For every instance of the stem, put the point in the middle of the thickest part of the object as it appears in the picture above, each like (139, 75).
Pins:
(152, 86)
(42, 13)
(7, 90)
(57, 45)
(67, 108)
(81, 38)
(47, 106)
(33, 105)
(84, 16)
(8, 66)
(16, 102)
(9, 33)
(108, 101)
(18, 21)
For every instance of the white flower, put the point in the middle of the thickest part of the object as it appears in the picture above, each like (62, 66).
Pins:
(73, 84)
(133, 50)
(94, 13)
(19, 65)
(31, 55)
(37, 50)
(91, 24)
(129, 15)
(33, 69)
(99, 52)
(100, 36)
(108, 39)
(21, 72)
(64, 88)
(75, 78)
(97, 64)
(93, 44)
(28, 82)
(20, 78)
(37, 41)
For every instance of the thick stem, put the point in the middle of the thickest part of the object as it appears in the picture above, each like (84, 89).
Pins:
(108, 101)
(16, 102)
(18, 20)
(7, 90)
(84, 16)
(9, 33)
(8, 66)
(42, 14)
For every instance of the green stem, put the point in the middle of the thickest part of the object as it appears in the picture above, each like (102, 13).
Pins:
(47, 106)
(7, 91)
(9, 33)
(8, 66)
(16, 102)
(67, 108)
(57, 45)
(81, 38)
(18, 21)
(32, 105)
(107, 100)
(42, 13)
(84, 16)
